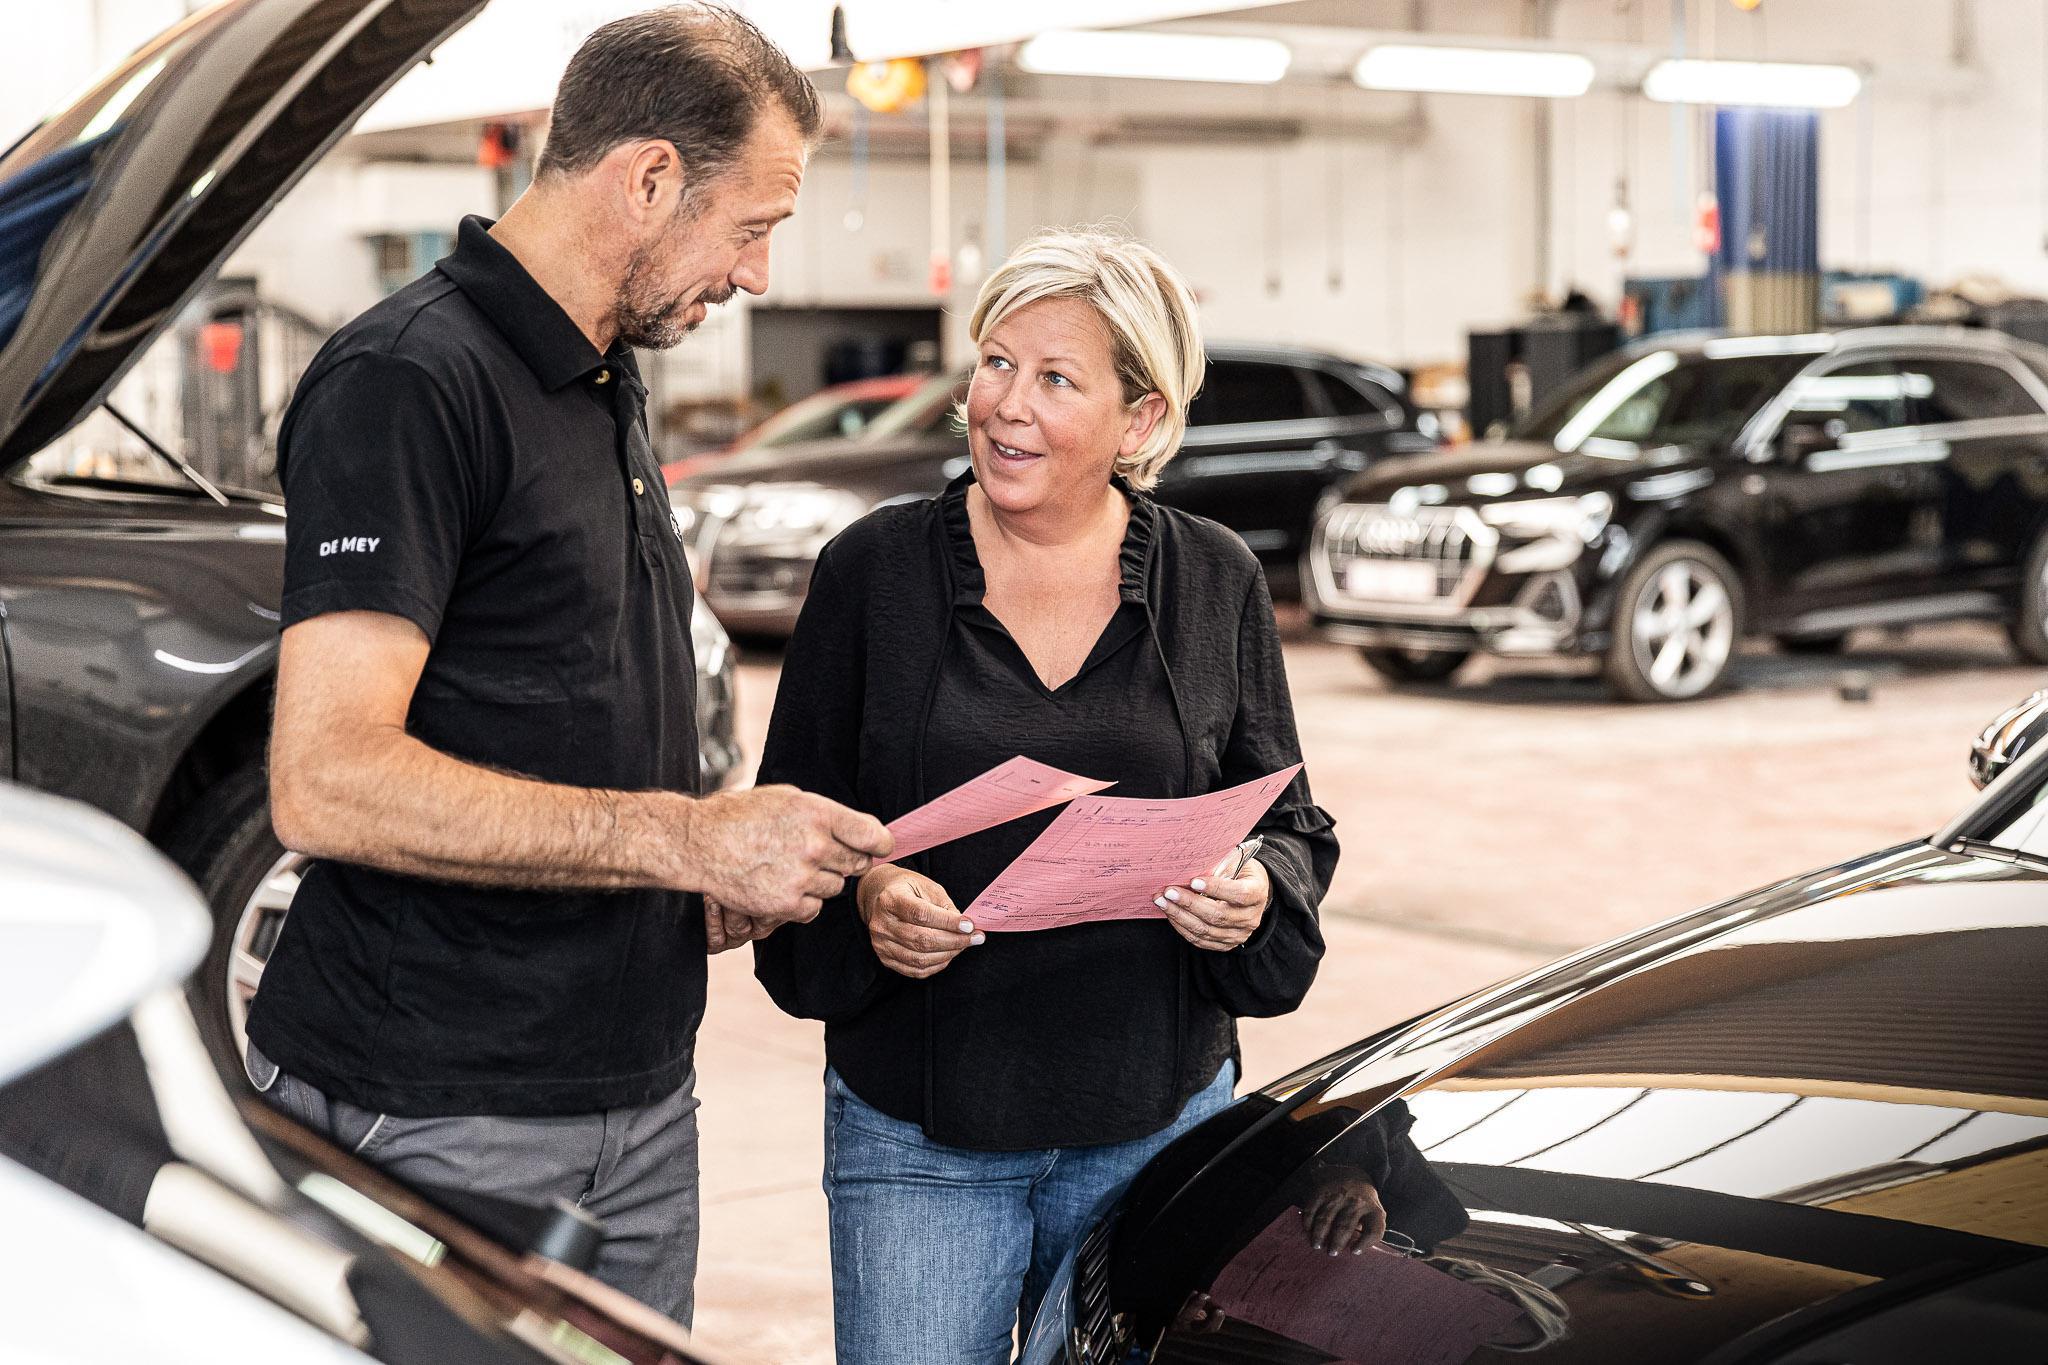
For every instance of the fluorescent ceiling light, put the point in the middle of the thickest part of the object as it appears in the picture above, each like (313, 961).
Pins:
(1474, 71)
(1156, 56)
(1782, 85)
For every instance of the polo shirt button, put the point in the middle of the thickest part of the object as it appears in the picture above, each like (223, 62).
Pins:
(638, 488)
(604, 376)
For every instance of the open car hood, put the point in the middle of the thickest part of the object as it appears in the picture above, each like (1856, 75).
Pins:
(116, 210)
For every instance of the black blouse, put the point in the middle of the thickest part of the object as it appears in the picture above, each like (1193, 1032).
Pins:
(1089, 1034)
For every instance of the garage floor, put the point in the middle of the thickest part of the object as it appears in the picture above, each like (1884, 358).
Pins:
(1486, 828)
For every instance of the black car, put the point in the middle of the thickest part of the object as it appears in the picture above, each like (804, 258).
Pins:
(1687, 493)
(1271, 431)
(1808, 1125)
(138, 601)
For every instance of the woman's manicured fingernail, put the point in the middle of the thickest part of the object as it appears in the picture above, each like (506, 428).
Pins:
(1172, 894)
(1159, 901)
(966, 926)
(1198, 884)
(978, 940)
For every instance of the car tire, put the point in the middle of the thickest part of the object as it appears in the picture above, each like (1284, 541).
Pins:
(1813, 644)
(1677, 623)
(2029, 625)
(226, 845)
(1399, 665)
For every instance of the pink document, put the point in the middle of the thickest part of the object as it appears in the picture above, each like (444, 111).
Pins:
(1106, 857)
(1008, 791)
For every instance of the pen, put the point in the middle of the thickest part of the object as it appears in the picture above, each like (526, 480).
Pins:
(1247, 851)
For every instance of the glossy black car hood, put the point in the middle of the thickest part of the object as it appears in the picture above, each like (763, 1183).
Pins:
(1500, 471)
(116, 210)
(1748, 1128)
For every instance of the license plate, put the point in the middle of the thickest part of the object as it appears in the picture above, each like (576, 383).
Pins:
(1395, 580)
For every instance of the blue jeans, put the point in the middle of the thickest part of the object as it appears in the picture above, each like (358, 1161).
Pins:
(939, 1252)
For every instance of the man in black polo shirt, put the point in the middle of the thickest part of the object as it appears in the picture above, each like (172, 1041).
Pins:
(485, 733)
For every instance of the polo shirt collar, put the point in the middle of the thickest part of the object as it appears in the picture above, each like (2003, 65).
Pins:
(545, 337)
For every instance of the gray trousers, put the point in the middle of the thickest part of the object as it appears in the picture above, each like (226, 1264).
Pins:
(635, 1169)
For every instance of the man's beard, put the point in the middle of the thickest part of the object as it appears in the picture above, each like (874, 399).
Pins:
(642, 317)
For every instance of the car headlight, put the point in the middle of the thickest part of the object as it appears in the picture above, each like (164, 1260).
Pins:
(696, 506)
(1581, 518)
(796, 511)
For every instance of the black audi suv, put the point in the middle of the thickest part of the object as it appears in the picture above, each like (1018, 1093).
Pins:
(1803, 1127)
(1687, 493)
(138, 600)
(1272, 430)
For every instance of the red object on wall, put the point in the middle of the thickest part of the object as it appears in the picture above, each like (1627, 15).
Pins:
(498, 147)
(1707, 228)
(220, 344)
(942, 274)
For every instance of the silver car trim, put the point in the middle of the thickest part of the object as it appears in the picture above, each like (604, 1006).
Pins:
(1358, 521)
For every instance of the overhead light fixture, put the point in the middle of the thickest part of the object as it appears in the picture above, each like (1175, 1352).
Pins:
(1475, 71)
(1781, 85)
(1140, 55)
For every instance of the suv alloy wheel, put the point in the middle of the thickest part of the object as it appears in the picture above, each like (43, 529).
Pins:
(1677, 622)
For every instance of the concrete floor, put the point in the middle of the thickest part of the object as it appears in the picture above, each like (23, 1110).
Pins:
(1487, 827)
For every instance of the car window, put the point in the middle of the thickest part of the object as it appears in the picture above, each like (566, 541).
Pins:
(843, 418)
(1351, 398)
(1968, 390)
(1236, 391)
(1660, 398)
(923, 412)
(1872, 396)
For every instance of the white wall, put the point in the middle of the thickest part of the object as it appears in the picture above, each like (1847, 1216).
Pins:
(313, 252)
(1957, 181)
(1431, 238)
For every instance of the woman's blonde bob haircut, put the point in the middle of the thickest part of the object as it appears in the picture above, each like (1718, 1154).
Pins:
(1155, 338)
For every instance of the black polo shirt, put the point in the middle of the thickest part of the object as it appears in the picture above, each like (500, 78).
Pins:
(462, 456)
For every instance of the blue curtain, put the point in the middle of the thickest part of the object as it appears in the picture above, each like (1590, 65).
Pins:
(1767, 178)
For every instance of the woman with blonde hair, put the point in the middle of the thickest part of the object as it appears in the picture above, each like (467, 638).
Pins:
(984, 1091)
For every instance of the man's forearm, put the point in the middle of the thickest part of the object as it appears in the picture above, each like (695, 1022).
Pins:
(396, 804)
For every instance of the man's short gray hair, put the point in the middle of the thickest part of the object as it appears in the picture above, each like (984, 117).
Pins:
(1155, 337)
(695, 75)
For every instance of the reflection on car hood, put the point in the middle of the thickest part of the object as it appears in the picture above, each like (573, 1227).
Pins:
(116, 210)
(875, 470)
(1820, 1101)
(1510, 470)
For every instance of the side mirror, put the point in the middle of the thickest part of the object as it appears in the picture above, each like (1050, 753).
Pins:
(2015, 731)
(1798, 440)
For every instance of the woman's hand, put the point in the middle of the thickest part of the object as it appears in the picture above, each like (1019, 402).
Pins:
(912, 922)
(1217, 912)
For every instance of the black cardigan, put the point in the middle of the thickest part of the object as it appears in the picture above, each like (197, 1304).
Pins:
(849, 722)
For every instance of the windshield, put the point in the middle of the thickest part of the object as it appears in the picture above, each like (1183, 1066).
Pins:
(841, 417)
(925, 411)
(1637, 401)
